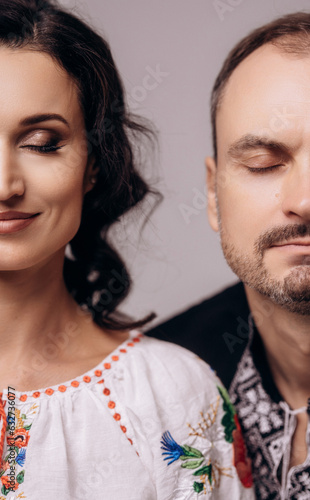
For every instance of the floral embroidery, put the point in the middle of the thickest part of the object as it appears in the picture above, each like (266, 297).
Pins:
(193, 457)
(233, 435)
(207, 468)
(20, 496)
(19, 439)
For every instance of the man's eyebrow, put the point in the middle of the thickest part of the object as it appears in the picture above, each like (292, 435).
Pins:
(34, 119)
(250, 142)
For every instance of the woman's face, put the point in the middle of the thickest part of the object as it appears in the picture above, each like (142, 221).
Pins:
(44, 166)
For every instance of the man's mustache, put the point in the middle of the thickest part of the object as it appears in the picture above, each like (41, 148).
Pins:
(280, 234)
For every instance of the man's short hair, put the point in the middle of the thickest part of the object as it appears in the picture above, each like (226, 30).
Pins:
(290, 33)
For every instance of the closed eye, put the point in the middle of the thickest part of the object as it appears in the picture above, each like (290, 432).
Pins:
(47, 148)
(259, 170)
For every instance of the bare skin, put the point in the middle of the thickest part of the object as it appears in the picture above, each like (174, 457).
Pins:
(50, 345)
(45, 338)
(259, 200)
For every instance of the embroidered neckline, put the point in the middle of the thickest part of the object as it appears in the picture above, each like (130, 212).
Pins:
(93, 376)
(263, 425)
(21, 434)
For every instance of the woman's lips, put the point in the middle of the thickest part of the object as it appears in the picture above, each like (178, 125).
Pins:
(11, 222)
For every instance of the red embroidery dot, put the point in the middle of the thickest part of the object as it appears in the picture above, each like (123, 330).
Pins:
(130, 441)
(117, 416)
(130, 344)
(115, 358)
(75, 383)
(23, 397)
(106, 392)
(111, 405)
(100, 381)
(98, 373)
(62, 388)
(136, 339)
(123, 350)
(123, 428)
(36, 394)
(87, 379)
(107, 366)
(49, 392)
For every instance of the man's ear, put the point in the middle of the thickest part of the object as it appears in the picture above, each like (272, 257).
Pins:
(90, 175)
(211, 187)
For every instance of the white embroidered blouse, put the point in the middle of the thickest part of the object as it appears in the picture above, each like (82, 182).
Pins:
(151, 422)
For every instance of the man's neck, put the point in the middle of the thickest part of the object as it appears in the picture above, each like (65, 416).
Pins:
(286, 338)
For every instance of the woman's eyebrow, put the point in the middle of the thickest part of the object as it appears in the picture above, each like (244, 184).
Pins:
(250, 142)
(34, 119)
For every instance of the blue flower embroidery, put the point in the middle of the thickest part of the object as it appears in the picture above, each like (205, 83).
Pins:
(21, 457)
(191, 459)
(172, 449)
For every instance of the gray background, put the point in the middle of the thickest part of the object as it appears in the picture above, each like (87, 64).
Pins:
(178, 260)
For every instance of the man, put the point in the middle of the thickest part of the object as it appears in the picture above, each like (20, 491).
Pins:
(256, 334)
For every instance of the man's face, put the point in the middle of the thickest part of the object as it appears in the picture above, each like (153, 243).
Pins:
(259, 191)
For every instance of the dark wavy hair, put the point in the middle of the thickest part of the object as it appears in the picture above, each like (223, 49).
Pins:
(290, 33)
(94, 273)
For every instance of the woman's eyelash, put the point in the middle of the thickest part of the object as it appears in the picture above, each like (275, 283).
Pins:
(47, 148)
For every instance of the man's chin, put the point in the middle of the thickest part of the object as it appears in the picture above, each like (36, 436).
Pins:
(290, 290)
(292, 293)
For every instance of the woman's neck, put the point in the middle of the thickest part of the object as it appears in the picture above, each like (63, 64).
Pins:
(45, 337)
(34, 303)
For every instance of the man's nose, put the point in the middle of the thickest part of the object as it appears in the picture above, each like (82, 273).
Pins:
(11, 179)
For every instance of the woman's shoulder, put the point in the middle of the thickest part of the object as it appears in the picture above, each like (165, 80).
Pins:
(171, 357)
(166, 368)
(181, 421)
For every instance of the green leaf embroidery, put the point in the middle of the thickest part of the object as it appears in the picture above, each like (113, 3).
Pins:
(198, 487)
(20, 477)
(4, 490)
(27, 427)
(207, 469)
(23, 416)
(16, 450)
(228, 420)
(191, 452)
(192, 464)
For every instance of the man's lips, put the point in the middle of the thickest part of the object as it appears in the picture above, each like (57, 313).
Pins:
(12, 215)
(302, 242)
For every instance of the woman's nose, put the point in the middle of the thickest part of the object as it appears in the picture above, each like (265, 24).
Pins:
(11, 179)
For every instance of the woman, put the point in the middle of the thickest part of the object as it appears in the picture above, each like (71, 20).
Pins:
(89, 407)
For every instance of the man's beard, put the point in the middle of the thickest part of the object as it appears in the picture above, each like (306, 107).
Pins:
(291, 293)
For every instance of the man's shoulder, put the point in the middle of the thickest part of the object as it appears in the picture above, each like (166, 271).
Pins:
(215, 329)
